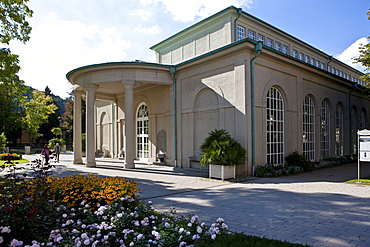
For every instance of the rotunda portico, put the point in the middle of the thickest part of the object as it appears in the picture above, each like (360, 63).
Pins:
(108, 82)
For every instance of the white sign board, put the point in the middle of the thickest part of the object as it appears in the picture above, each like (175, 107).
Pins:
(364, 148)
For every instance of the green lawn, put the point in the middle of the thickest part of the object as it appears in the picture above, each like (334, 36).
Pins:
(364, 181)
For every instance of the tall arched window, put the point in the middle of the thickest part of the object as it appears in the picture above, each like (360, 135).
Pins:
(354, 130)
(325, 129)
(363, 119)
(142, 133)
(275, 127)
(309, 128)
(339, 130)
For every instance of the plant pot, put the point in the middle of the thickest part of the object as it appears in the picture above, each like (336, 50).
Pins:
(220, 171)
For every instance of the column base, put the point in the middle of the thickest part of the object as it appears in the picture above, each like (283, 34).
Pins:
(78, 162)
(129, 165)
(90, 164)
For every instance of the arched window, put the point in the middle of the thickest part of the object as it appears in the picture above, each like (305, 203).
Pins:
(325, 129)
(339, 130)
(142, 133)
(275, 127)
(363, 119)
(309, 128)
(354, 129)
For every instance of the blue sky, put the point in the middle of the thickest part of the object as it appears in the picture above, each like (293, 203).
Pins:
(69, 34)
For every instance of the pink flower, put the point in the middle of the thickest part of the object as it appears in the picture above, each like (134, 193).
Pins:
(1, 239)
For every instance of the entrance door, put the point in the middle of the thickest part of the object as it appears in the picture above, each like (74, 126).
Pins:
(142, 134)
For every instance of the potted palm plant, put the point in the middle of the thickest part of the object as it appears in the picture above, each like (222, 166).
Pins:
(222, 153)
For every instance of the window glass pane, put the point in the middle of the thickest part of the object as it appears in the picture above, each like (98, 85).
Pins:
(275, 127)
(308, 128)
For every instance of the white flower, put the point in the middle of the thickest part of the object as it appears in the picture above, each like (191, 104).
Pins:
(224, 226)
(87, 242)
(1, 239)
(182, 244)
(167, 225)
(190, 224)
(132, 244)
(220, 220)
(181, 230)
(194, 219)
(213, 236)
(84, 236)
(140, 236)
(199, 229)
(6, 229)
(65, 215)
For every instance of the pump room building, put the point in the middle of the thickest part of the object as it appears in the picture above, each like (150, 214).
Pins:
(271, 91)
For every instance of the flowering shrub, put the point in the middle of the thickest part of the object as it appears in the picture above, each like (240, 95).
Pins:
(126, 222)
(32, 204)
(93, 190)
(13, 156)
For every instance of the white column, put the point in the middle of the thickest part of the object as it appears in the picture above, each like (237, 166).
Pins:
(77, 135)
(90, 125)
(129, 125)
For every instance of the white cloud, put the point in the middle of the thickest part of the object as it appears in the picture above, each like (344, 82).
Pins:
(58, 46)
(351, 52)
(151, 30)
(144, 14)
(186, 11)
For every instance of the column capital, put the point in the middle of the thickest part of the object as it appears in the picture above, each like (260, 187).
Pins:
(90, 87)
(128, 84)
(75, 92)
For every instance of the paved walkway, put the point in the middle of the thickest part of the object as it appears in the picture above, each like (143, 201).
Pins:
(314, 208)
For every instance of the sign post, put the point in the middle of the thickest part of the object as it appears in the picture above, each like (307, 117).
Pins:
(363, 144)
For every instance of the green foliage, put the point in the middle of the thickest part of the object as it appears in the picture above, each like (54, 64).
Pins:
(83, 139)
(13, 14)
(364, 58)
(13, 26)
(56, 131)
(220, 149)
(54, 141)
(3, 141)
(37, 112)
(298, 160)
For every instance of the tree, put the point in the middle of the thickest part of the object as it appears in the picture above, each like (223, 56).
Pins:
(56, 131)
(13, 26)
(37, 111)
(364, 58)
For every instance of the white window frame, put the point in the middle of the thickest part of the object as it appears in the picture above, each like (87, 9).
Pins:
(325, 129)
(270, 42)
(275, 127)
(309, 128)
(277, 46)
(354, 129)
(295, 54)
(241, 32)
(339, 130)
(251, 34)
(285, 49)
(261, 38)
(142, 133)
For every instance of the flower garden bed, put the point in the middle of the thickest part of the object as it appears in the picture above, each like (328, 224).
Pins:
(296, 163)
(92, 211)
